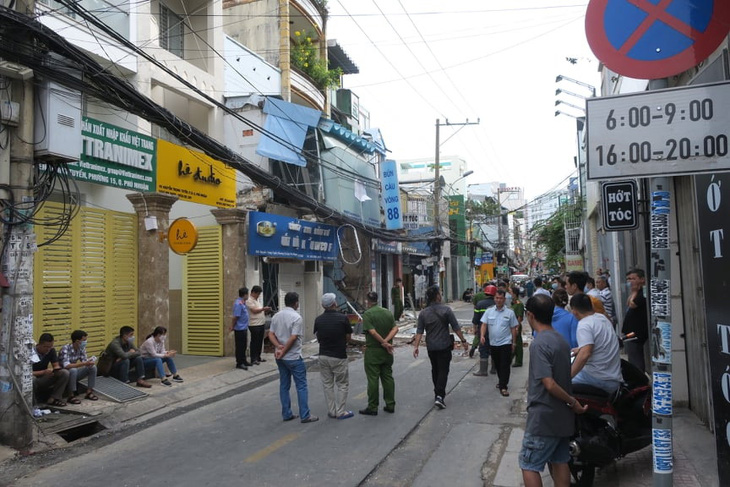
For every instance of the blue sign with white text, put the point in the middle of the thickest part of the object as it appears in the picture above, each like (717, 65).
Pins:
(280, 236)
(391, 195)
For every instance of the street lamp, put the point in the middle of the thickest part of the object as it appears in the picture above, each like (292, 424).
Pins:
(560, 78)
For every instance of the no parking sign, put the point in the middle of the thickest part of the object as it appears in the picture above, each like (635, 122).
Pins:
(650, 39)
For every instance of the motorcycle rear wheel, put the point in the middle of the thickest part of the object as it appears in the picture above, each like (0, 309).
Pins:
(582, 475)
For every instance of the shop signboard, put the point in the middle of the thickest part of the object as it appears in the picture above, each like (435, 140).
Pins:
(713, 211)
(284, 237)
(116, 157)
(193, 176)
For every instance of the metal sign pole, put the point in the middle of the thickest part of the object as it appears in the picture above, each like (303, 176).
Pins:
(660, 302)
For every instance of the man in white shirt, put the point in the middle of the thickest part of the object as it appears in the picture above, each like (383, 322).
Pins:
(597, 362)
(286, 336)
(502, 324)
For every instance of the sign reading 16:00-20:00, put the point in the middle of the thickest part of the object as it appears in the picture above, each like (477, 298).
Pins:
(674, 131)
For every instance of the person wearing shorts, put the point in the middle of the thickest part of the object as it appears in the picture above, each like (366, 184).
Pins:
(550, 407)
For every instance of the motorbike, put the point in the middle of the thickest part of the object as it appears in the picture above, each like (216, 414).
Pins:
(612, 427)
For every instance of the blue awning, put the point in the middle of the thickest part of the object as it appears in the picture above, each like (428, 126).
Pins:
(288, 123)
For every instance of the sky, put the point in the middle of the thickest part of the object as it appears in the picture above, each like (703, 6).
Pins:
(491, 60)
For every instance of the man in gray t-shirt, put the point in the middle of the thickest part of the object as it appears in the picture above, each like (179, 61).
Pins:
(597, 362)
(550, 406)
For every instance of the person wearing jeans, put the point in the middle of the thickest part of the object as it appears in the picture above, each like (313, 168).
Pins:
(435, 321)
(154, 354)
(122, 353)
(73, 358)
(286, 336)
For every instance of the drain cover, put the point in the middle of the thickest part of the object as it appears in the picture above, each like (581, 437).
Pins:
(116, 390)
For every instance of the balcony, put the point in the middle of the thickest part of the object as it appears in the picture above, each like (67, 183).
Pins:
(305, 92)
(307, 14)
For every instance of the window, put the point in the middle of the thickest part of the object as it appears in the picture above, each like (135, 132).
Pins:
(172, 31)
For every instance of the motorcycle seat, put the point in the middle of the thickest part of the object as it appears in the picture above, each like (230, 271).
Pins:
(588, 390)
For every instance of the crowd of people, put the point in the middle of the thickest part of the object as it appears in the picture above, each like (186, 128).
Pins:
(575, 344)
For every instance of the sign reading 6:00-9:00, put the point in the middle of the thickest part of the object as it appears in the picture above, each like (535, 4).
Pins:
(675, 131)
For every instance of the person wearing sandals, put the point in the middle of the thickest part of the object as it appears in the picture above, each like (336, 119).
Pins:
(54, 379)
(154, 353)
(502, 326)
(73, 358)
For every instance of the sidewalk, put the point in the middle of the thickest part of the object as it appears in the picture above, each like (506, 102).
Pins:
(207, 379)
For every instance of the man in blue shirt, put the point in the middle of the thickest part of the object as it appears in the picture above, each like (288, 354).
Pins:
(501, 324)
(239, 326)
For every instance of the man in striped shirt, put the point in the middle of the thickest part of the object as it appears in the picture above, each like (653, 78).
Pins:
(604, 290)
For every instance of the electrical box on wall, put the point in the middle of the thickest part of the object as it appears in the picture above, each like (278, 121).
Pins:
(9, 113)
(57, 123)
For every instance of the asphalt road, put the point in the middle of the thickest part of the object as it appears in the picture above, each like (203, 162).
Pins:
(242, 439)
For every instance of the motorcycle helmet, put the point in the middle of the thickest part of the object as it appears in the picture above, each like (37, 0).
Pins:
(490, 290)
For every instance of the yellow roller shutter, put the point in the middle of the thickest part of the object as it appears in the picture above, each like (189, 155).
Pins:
(86, 280)
(203, 295)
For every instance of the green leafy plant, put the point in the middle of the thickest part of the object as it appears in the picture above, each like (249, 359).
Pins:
(304, 56)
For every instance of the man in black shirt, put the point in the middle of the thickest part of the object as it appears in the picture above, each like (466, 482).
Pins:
(636, 320)
(333, 331)
(54, 379)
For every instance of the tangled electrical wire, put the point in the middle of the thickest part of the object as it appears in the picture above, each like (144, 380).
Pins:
(32, 44)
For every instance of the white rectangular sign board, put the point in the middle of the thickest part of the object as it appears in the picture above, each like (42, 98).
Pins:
(659, 133)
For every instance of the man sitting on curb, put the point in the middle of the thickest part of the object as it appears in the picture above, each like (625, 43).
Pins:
(74, 359)
(123, 355)
(44, 378)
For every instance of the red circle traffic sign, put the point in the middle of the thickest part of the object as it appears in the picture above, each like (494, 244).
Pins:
(647, 39)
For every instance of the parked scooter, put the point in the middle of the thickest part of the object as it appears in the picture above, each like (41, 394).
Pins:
(612, 427)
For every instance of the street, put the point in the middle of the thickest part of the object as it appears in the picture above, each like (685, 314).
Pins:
(242, 439)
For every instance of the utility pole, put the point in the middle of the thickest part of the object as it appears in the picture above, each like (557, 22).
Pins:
(16, 329)
(437, 191)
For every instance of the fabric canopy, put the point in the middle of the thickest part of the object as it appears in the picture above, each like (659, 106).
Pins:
(287, 123)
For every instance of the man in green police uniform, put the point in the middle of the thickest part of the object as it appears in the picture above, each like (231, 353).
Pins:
(380, 328)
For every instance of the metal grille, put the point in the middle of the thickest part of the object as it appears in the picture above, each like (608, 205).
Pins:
(116, 390)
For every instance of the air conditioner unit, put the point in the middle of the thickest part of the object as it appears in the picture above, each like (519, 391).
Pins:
(57, 123)
(348, 103)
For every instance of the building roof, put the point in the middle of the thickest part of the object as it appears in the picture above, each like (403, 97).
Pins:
(338, 58)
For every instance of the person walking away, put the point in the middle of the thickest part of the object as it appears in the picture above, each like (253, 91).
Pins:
(636, 320)
(435, 321)
(597, 362)
(239, 326)
(550, 404)
(539, 289)
(333, 331)
(519, 310)
(54, 379)
(286, 336)
(479, 309)
(502, 326)
(380, 328)
(396, 296)
(154, 354)
(256, 324)
(72, 357)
